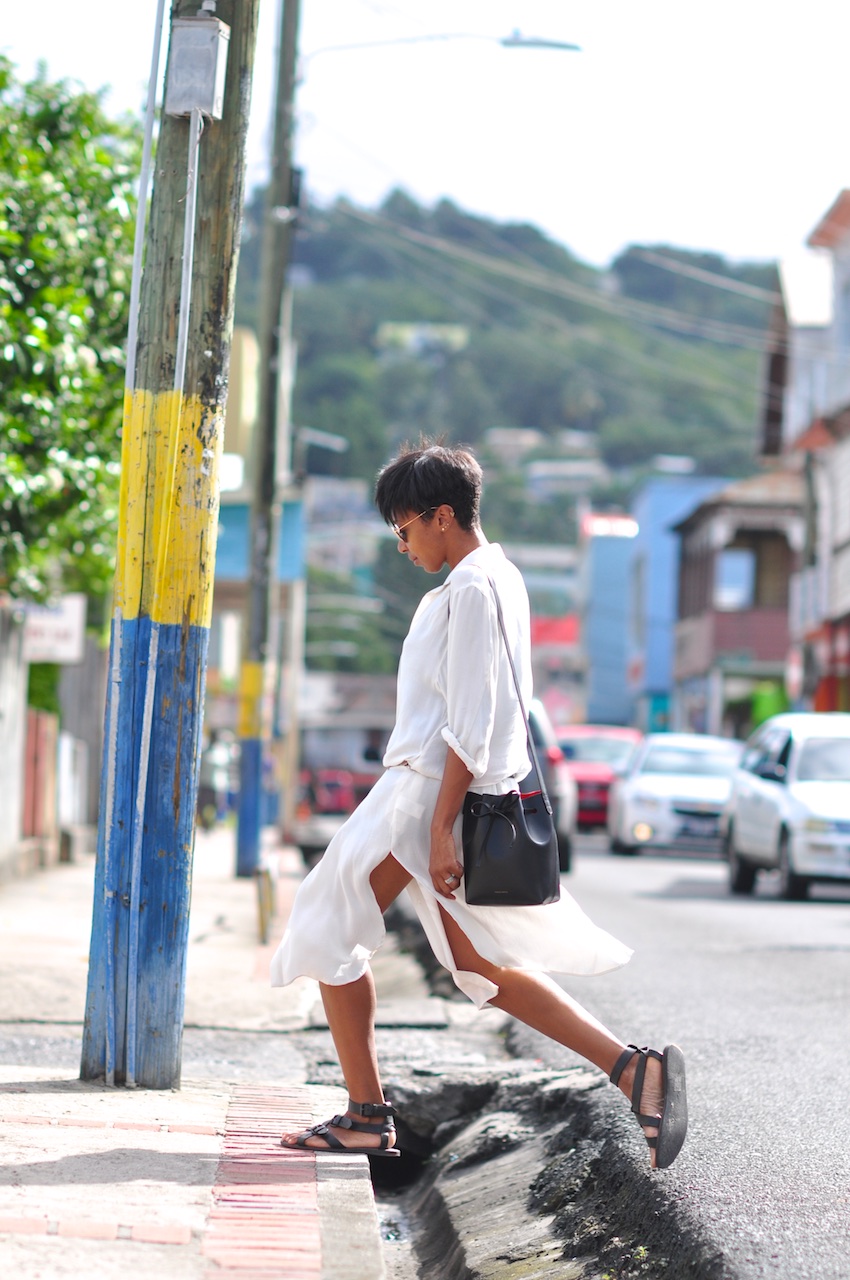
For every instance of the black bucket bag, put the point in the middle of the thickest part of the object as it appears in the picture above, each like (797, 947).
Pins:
(510, 846)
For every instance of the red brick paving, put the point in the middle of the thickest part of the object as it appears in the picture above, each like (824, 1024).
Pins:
(265, 1215)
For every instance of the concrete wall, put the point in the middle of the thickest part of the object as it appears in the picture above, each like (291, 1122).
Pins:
(82, 698)
(13, 697)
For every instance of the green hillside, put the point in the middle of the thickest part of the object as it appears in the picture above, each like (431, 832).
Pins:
(659, 355)
(651, 357)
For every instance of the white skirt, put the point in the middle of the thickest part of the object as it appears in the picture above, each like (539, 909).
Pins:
(336, 926)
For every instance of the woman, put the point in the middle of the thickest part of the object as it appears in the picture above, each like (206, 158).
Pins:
(458, 728)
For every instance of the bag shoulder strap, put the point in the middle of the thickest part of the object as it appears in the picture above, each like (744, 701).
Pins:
(531, 747)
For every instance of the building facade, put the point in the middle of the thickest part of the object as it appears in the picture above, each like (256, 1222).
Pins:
(807, 424)
(653, 573)
(739, 548)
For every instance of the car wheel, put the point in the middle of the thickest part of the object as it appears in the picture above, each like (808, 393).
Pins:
(565, 852)
(742, 874)
(624, 850)
(792, 888)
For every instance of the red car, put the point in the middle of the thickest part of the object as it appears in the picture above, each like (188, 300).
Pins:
(593, 753)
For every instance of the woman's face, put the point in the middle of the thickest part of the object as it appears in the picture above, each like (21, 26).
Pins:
(421, 539)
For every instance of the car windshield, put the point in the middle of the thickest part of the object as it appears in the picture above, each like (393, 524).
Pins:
(825, 760)
(712, 762)
(600, 750)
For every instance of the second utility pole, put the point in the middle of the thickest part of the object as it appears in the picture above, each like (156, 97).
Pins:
(277, 238)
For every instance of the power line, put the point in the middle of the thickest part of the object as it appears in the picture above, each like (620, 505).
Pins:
(721, 332)
(707, 277)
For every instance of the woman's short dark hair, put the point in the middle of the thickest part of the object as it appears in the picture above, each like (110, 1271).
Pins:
(418, 479)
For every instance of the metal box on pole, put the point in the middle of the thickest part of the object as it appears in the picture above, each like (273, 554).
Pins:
(196, 66)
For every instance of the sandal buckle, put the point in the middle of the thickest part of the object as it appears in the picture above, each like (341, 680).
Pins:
(382, 1109)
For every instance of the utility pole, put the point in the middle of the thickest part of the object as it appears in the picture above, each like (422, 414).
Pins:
(168, 522)
(281, 203)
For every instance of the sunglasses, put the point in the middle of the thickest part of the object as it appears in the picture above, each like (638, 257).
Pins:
(399, 530)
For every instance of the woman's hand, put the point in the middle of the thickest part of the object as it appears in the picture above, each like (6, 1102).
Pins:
(444, 868)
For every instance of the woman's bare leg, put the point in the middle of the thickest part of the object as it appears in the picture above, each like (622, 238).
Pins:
(350, 1011)
(541, 1004)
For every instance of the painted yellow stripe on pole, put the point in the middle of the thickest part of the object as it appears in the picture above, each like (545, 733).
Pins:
(251, 684)
(169, 507)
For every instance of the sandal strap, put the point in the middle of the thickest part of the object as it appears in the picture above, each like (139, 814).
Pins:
(383, 1109)
(622, 1062)
(321, 1131)
(640, 1073)
(346, 1122)
(637, 1087)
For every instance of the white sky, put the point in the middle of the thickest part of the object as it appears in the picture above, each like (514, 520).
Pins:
(720, 126)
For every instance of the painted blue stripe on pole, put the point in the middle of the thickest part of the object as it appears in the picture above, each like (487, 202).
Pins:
(165, 871)
(250, 799)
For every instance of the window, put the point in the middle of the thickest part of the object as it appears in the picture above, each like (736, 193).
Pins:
(825, 760)
(756, 751)
(713, 762)
(735, 579)
(844, 316)
(637, 601)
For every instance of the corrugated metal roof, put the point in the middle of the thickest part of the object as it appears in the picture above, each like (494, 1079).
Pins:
(777, 488)
(834, 225)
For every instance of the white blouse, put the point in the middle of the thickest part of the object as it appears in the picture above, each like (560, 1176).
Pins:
(455, 687)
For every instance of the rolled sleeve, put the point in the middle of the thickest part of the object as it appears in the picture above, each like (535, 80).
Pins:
(471, 675)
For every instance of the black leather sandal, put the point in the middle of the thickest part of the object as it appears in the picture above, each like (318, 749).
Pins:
(382, 1109)
(672, 1124)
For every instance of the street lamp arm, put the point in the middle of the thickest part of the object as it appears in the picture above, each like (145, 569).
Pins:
(322, 439)
(518, 41)
(513, 41)
(380, 44)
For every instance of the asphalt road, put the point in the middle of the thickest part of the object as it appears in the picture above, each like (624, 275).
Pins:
(757, 993)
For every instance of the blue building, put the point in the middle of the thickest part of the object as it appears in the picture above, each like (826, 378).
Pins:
(653, 583)
(607, 542)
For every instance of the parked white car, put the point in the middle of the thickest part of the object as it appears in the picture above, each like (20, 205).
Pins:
(672, 793)
(789, 807)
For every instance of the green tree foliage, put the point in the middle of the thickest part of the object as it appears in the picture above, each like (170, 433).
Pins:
(67, 201)
(399, 586)
(340, 636)
(507, 515)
